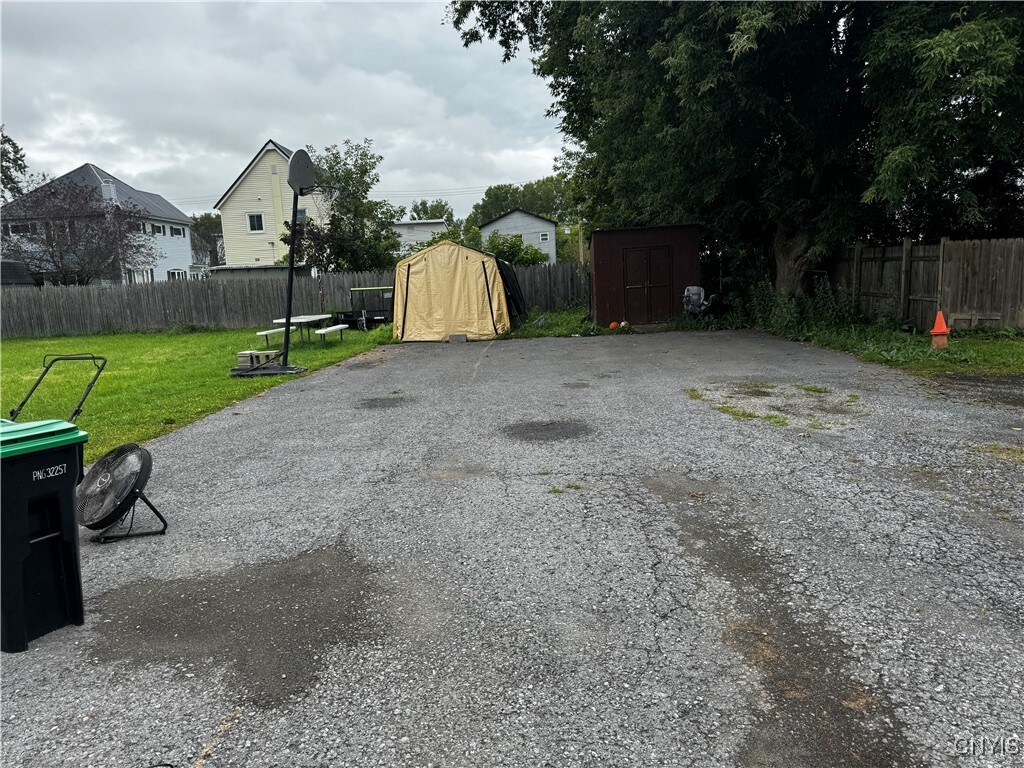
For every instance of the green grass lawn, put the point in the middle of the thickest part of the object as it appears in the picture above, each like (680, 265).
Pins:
(153, 382)
(994, 354)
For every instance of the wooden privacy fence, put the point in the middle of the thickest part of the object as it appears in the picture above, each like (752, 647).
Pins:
(973, 282)
(73, 310)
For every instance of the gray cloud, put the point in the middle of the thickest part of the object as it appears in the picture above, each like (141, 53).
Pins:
(175, 98)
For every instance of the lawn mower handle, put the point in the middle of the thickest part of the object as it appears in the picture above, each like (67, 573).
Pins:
(48, 361)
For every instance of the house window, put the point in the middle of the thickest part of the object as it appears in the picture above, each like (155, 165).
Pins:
(195, 276)
(255, 222)
(140, 276)
(300, 215)
(142, 227)
(544, 237)
(23, 228)
(176, 274)
(158, 229)
(177, 231)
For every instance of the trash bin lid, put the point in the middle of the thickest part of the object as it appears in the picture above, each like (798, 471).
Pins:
(19, 438)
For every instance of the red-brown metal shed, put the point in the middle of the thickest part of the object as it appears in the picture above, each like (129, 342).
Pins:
(639, 275)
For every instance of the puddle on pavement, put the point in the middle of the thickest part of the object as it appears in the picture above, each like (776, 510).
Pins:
(268, 623)
(812, 713)
(380, 403)
(547, 431)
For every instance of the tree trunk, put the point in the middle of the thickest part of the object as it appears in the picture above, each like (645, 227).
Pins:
(792, 259)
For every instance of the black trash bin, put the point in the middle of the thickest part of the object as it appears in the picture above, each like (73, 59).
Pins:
(40, 576)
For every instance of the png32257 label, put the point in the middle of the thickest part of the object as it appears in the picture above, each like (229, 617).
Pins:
(45, 474)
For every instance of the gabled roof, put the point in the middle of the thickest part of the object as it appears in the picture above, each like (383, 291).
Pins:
(93, 177)
(422, 221)
(271, 144)
(520, 210)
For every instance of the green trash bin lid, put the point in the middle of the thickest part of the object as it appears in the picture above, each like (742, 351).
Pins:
(19, 438)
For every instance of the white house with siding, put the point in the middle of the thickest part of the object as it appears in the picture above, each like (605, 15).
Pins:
(417, 231)
(170, 228)
(256, 206)
(535, 230)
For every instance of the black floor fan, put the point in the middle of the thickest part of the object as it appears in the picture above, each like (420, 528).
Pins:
(110, 490)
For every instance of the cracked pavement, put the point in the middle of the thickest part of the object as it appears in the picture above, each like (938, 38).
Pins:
(557, 553)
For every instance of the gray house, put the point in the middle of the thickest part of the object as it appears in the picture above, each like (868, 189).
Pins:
(535, 230)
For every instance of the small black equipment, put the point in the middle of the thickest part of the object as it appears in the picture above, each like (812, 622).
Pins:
(110, 490)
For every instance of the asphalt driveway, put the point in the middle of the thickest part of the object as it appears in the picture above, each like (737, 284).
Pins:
(561, 552)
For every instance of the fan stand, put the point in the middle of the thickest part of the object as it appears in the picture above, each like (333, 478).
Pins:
(104, 536)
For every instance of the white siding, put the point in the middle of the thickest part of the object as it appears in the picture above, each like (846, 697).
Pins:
(175, 252)
(262, 191)
(415, 232)
(529, 226)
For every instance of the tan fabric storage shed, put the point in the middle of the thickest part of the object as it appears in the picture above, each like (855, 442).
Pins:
(447, 289)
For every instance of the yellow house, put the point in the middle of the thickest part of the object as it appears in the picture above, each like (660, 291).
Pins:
(256, 206)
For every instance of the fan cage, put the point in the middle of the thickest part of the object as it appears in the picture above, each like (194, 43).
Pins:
(112, 486)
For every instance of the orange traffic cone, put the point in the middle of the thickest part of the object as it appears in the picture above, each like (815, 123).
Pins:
(940, 332)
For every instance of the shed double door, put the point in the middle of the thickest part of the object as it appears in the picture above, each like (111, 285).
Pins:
(647, 274)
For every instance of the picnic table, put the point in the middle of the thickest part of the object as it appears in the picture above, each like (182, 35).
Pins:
(304, 321)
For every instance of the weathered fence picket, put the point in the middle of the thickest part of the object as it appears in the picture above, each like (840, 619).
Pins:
(974, 282)
(73, 310)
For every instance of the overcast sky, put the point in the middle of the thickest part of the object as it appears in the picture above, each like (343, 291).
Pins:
(176, 98)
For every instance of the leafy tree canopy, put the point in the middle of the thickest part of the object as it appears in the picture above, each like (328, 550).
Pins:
(458, 232)
(548, 197)
(206, 229)
(356, 232)
(426, 210)
(793, 127)
(510, 248)
(514, 250)
(12, 167)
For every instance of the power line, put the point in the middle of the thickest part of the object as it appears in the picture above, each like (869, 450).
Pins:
(451, 191)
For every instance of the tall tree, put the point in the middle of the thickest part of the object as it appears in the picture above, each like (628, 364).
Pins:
(69, 235)
(206, 231)
(12, 167)
(425, 210)
(789, 126)
(356, 234)
(548, 196)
